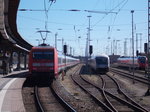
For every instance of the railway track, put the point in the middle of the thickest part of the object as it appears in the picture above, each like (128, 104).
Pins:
(79, 99)
(103, 95)
(137, 77)
(53, 98)
(121, 93)
(40, 95)
(37, 100)
(93, 92)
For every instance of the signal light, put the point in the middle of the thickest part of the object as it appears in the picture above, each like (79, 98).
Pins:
(65, 49)
(90, 49)
(145, 47)
(137, 53)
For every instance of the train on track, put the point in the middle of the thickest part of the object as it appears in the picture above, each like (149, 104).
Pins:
(140, 62)
(47, 60)
(100, 64)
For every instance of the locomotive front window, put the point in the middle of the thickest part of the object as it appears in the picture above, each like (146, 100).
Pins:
(142, 59)
(43, 55)
(101, 61)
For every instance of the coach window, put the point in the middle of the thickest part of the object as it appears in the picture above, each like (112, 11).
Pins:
(59, 60)
(64, 60)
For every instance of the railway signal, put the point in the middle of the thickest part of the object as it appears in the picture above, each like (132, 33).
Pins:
(137, 52)
(90, 49)
(65, 49)
(145, 48)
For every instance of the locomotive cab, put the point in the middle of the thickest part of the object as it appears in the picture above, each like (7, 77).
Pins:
(102, 64)
(42, 59)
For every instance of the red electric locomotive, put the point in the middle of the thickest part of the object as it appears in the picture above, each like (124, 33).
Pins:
(46, 59)
(43, 59)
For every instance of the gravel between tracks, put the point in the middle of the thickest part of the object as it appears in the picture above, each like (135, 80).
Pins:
(137, 90)
(81, 101)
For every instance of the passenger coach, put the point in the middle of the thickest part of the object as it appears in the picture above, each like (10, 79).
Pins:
(100, 63)
(140, 62)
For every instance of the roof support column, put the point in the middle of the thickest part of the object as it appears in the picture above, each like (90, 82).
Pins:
(18, 64)
(25, 61)
(11, 62)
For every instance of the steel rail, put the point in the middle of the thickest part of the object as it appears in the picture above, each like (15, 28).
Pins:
(103, 105)
(128, 75)
(127, 97)
(62, 101)
(37, 100)
(103, 91)
(116, 97)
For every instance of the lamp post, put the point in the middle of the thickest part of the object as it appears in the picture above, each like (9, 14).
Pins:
(140, 42)
(62, 43)
(89, 29)
(117, 46)
(113, 47)
(132, 11)
(108, 45)
(125, 47)
(56, 40)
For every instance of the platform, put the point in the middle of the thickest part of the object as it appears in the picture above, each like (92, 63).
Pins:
(11, 95)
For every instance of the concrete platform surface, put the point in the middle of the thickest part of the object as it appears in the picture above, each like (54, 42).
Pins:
(11, 94)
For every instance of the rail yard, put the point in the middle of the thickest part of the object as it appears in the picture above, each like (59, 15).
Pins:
(81, 90)
(74, 56)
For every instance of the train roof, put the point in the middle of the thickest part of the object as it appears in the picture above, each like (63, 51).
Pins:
(60, 54)
(131, 56)
(103, 55)
(42, 47)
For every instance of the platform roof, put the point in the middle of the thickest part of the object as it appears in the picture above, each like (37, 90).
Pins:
(9, 35)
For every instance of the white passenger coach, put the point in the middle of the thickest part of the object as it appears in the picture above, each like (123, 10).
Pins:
(100, 63)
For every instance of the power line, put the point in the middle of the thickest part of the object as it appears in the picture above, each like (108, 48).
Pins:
(112, 11)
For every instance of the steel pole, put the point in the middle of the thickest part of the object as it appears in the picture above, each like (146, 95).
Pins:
(148, 51)
(132, 11)
(56, 40)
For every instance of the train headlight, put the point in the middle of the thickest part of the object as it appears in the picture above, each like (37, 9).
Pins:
(49, 64)
(43, 64)
(36, 64)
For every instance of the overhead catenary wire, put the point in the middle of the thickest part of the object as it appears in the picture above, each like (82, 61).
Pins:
(112, 11)
(111, 29)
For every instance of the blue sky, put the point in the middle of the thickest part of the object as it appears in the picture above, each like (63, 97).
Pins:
(74, 24)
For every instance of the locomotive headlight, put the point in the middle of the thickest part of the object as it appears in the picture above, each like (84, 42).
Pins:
(49, 64)
(43, 64)
(36, 64)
